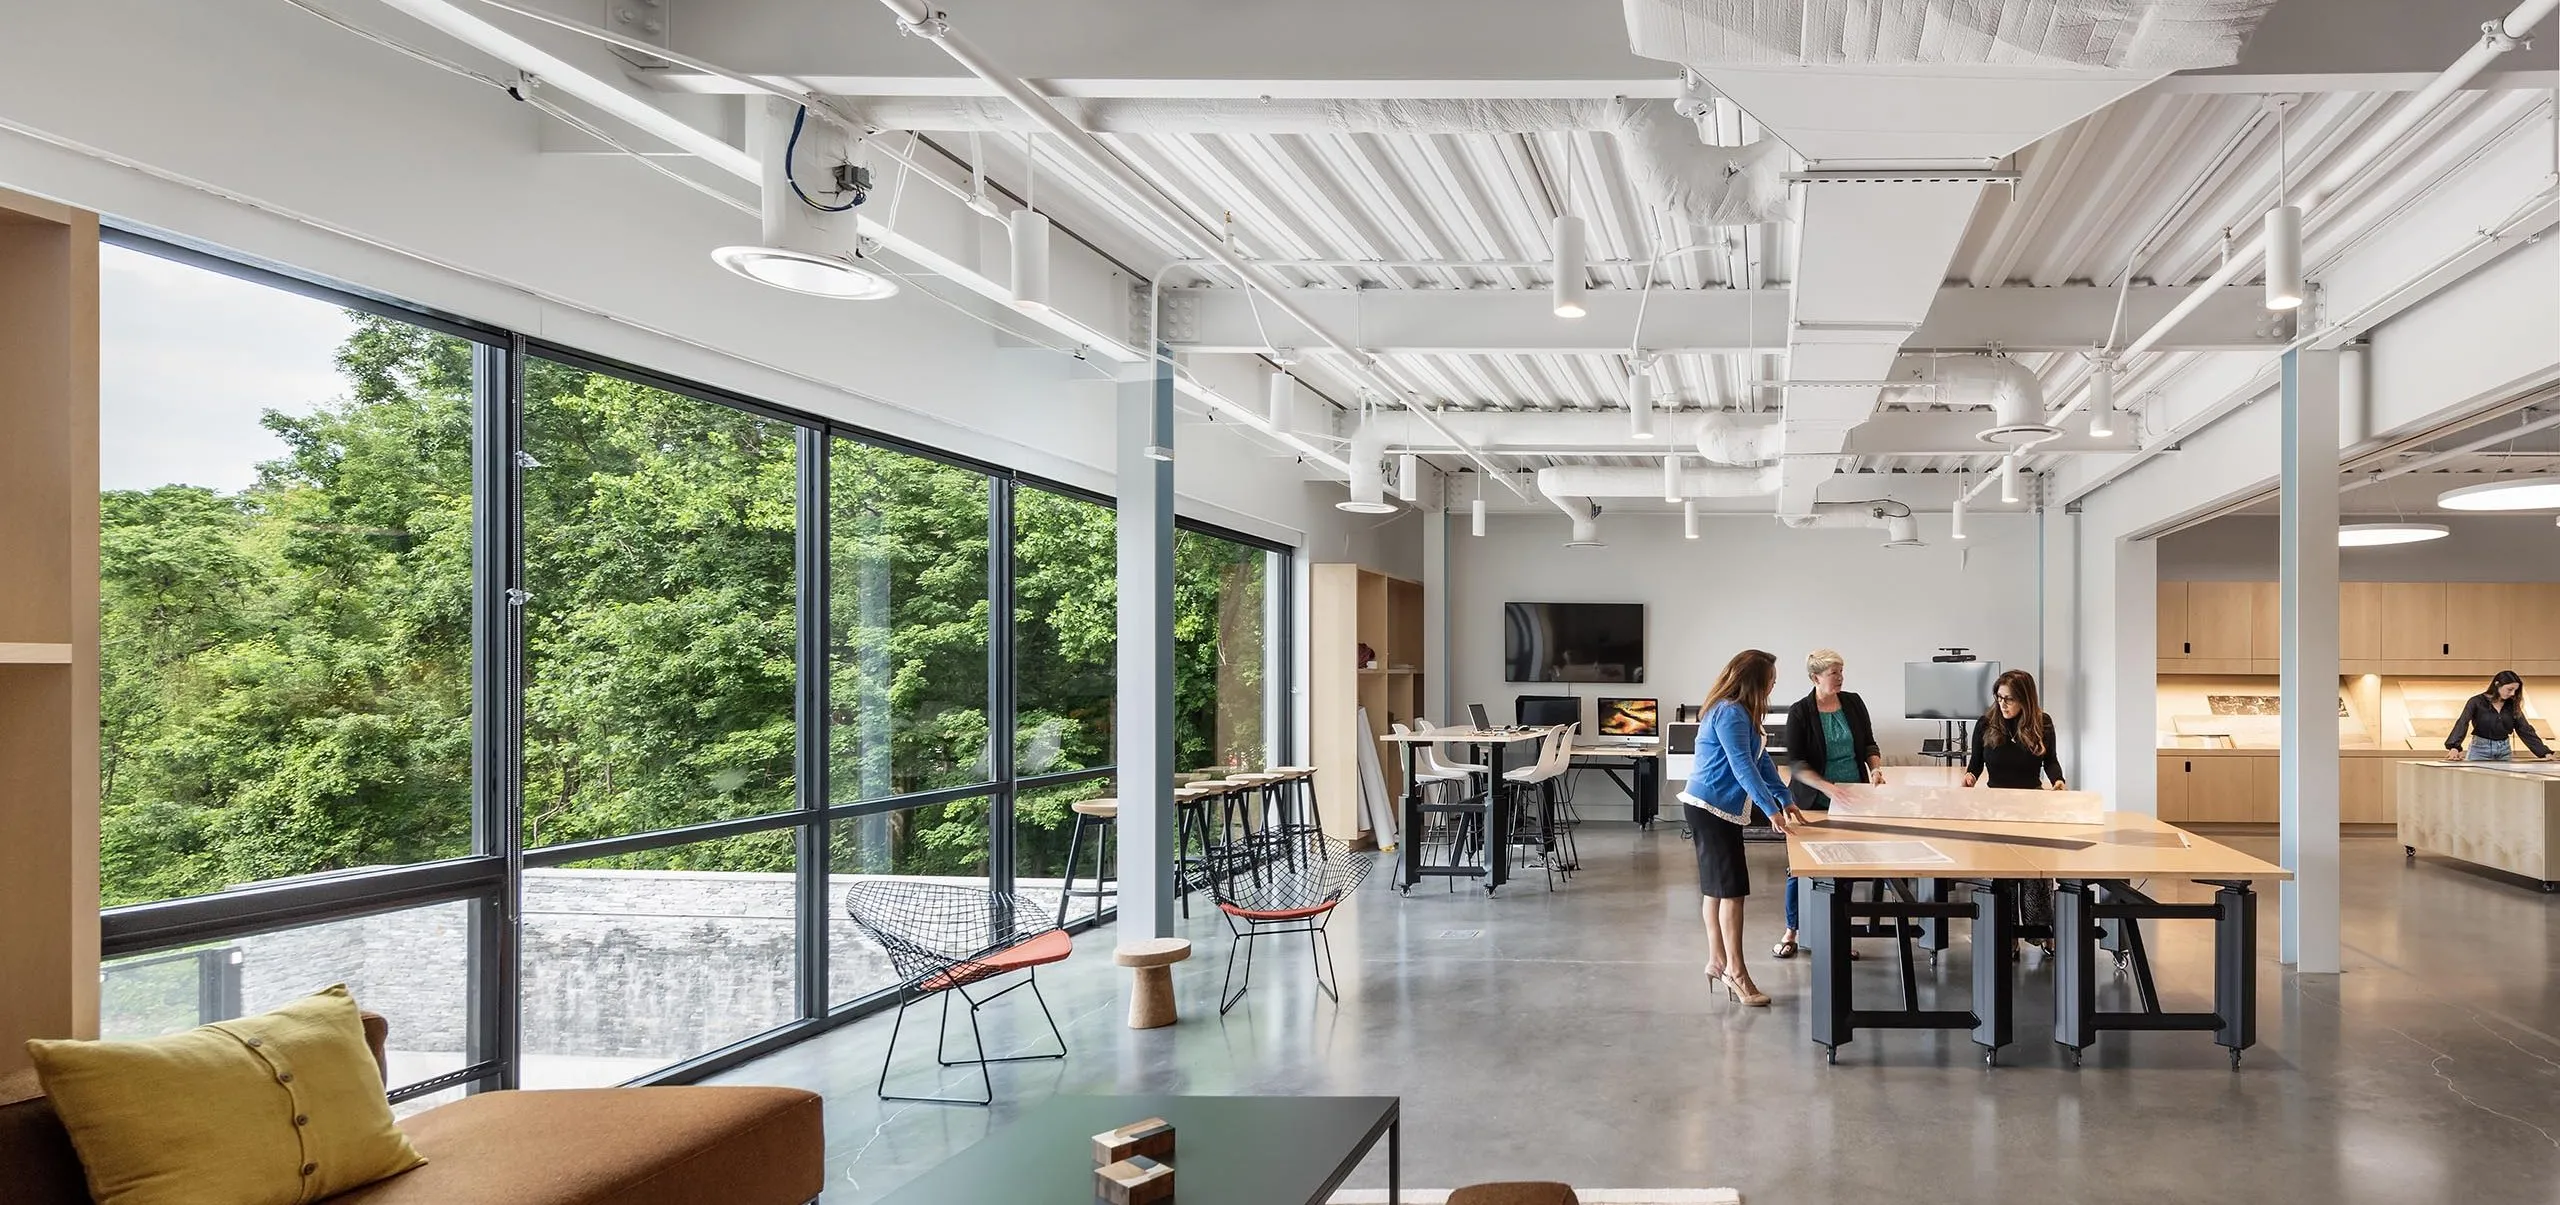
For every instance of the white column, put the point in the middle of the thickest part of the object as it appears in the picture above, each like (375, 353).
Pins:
(2308, 571)
(1435, 613)
(2119, 639)
(1145, 737)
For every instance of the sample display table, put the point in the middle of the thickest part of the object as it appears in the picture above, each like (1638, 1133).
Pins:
(2502, 815)
(1232, 1150)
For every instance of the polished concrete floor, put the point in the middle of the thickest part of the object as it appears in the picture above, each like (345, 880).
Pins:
(1571, 1036)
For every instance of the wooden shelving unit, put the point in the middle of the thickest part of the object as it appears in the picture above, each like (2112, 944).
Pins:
(48, 624)
(1348, 607)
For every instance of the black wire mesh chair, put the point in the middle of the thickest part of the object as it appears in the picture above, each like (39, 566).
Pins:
(1286, 880)
(945, 938)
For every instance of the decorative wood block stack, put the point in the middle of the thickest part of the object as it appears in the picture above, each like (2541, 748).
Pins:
(1132, 1163)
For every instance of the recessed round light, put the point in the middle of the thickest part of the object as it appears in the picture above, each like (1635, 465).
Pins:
(2523, 493)
(804, 272)
(1359, 507)
(2020, 435)
(2376, 535)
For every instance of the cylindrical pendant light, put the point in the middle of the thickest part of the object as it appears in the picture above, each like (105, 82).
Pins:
(2102, 399)
(1569, 267)
(1408, 477)
(2284, 257)
(1671, 478)
(1477, 515)
(1955, 520)
(1640, 400)
(1284, 400)
(1689, 519)
(1029, 229)
(2009, 480)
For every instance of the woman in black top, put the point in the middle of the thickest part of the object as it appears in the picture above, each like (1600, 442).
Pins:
(2014, 740)
(2494, 718)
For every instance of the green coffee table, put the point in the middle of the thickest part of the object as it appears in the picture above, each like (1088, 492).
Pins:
(1229, 1150)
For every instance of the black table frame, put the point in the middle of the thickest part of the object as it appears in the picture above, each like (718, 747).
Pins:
(1835, 1016)
(1497, 819)
(2078, 907)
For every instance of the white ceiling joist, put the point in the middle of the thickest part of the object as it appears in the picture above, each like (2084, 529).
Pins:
(1704, 321)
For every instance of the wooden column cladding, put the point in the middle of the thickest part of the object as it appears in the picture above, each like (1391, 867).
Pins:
(48, 624)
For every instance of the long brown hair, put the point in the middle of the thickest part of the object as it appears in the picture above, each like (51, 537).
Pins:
(2512, 707)
(1746, 683)
(2021, 686)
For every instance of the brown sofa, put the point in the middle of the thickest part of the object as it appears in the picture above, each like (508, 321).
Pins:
(596, 1146)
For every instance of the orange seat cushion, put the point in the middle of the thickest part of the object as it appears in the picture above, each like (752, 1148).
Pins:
(614, 1146)
(1279, 914)
(1052, 946)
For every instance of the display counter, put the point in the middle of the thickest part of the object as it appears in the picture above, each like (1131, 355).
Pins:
(2504, 816)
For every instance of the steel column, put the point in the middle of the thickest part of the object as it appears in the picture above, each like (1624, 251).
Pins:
(1145, 714)
(2308, 573)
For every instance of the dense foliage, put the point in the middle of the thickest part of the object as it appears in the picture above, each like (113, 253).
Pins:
(287, 669)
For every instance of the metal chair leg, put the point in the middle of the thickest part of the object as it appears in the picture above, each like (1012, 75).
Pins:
(1067, 890)
(1226, 1001)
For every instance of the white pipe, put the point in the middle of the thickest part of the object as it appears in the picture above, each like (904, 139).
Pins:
(1729, 439)
(921, 20)
(1596, 481)
(1878, 515)
(2413, 111)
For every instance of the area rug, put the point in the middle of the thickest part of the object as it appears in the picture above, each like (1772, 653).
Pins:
(1588, 1196)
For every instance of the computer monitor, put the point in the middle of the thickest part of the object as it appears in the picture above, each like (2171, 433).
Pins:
(1630, 717)
(1475, 712)
(1947, 690)
(1547, 711)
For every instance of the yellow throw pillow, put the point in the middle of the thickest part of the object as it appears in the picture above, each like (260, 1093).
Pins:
(281, 1109)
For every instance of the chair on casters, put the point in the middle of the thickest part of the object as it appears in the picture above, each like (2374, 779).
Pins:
(1102, 816)
(1296, 878)
(943, 939)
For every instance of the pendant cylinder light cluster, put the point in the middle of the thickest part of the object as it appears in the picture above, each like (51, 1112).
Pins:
(1671, 478)
(1955, 518)
(1408, 478)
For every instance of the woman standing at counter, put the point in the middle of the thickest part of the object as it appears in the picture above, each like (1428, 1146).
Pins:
(1733, 774)
(2494, 718)
(1829, 739)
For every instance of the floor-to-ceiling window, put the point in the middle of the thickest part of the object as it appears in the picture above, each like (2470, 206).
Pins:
(552, 705)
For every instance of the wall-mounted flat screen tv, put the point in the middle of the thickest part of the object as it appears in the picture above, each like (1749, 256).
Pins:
(1573, 642)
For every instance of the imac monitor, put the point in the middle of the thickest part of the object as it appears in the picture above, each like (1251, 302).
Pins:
(1947, 690)
(1547, 711)
(1573, 642)
(1635, 718)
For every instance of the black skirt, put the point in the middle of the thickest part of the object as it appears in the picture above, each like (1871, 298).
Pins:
(1722, 874)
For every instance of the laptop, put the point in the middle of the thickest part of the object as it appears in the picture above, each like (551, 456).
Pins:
(1475, 712)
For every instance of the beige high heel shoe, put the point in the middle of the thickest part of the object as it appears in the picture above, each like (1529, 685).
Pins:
(1748, 998)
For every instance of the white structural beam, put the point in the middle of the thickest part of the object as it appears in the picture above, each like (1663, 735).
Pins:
(2307, 573)
(1907, 433)
(1704, 321)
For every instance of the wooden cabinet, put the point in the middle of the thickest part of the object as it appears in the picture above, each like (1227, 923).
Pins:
(2218, 621)
(2225, 790)
(2536, 627)
(2173, 622)
(1348, 607)
(2266, 621)
(2413, 621)
(2479, 620)
(2364, 790)
(2172, 791)
(2359, 621)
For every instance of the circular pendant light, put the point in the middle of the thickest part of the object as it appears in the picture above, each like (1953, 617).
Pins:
(807, 272)
(2523, 493)
(2377, 535)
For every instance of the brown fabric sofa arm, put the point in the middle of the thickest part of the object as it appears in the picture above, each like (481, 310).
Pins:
(377, 1034)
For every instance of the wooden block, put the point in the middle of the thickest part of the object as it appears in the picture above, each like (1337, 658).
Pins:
(1134, 1181)
(1152, 1138)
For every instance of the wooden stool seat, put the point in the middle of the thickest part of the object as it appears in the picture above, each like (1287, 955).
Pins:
(1215, 786)
(1257, 779)
(1151, 1003)
(1292, 771)
(1152, 952)
(1106, 809)
(1528, 1193)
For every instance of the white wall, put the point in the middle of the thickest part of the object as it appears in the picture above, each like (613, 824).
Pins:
(2481, 548)
(1749, 583)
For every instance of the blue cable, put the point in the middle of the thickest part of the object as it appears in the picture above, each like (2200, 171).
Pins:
(792, 148)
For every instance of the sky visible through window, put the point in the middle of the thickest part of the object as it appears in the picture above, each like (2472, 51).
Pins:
(193, 358)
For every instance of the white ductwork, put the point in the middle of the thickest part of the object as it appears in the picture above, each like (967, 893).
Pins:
(1671, 166)
(1586, 482)
(2011, 389)
(1900, 528)
(1734, 439)
(1934, 89)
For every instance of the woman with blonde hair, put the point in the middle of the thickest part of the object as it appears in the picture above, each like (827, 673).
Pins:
(1731, 775)
(1830, 739)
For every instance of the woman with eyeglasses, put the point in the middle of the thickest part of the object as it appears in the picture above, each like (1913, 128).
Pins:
(2494, 720)
(2013, 746)
(1829, 740)
(1730, 776)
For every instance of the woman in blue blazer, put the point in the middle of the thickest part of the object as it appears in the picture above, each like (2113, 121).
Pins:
(1731, 775)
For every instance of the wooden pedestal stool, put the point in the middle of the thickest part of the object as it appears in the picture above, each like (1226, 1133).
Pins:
(1151, 1004)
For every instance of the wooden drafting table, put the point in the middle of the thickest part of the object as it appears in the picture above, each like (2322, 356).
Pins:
(2092, 866)
(1494, 746)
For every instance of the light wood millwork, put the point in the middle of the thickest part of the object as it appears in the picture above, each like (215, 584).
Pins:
(2503, 819)
(2413, 621)
(2359, 621)
(2480, 618)
(48, 624)
(2121, 845)
(1348, 607)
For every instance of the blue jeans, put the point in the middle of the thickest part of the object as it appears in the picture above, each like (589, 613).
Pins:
(2482, 749)
(1791, 901)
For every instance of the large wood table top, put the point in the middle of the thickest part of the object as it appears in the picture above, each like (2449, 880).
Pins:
(2122, 845)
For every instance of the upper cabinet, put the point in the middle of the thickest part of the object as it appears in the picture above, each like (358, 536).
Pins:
(2383, 627)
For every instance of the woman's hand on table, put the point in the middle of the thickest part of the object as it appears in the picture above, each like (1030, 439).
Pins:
(1875, 776)
(1968, 780)
(2059, 785)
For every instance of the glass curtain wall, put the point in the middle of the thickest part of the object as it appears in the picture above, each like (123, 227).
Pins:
(552, 706)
